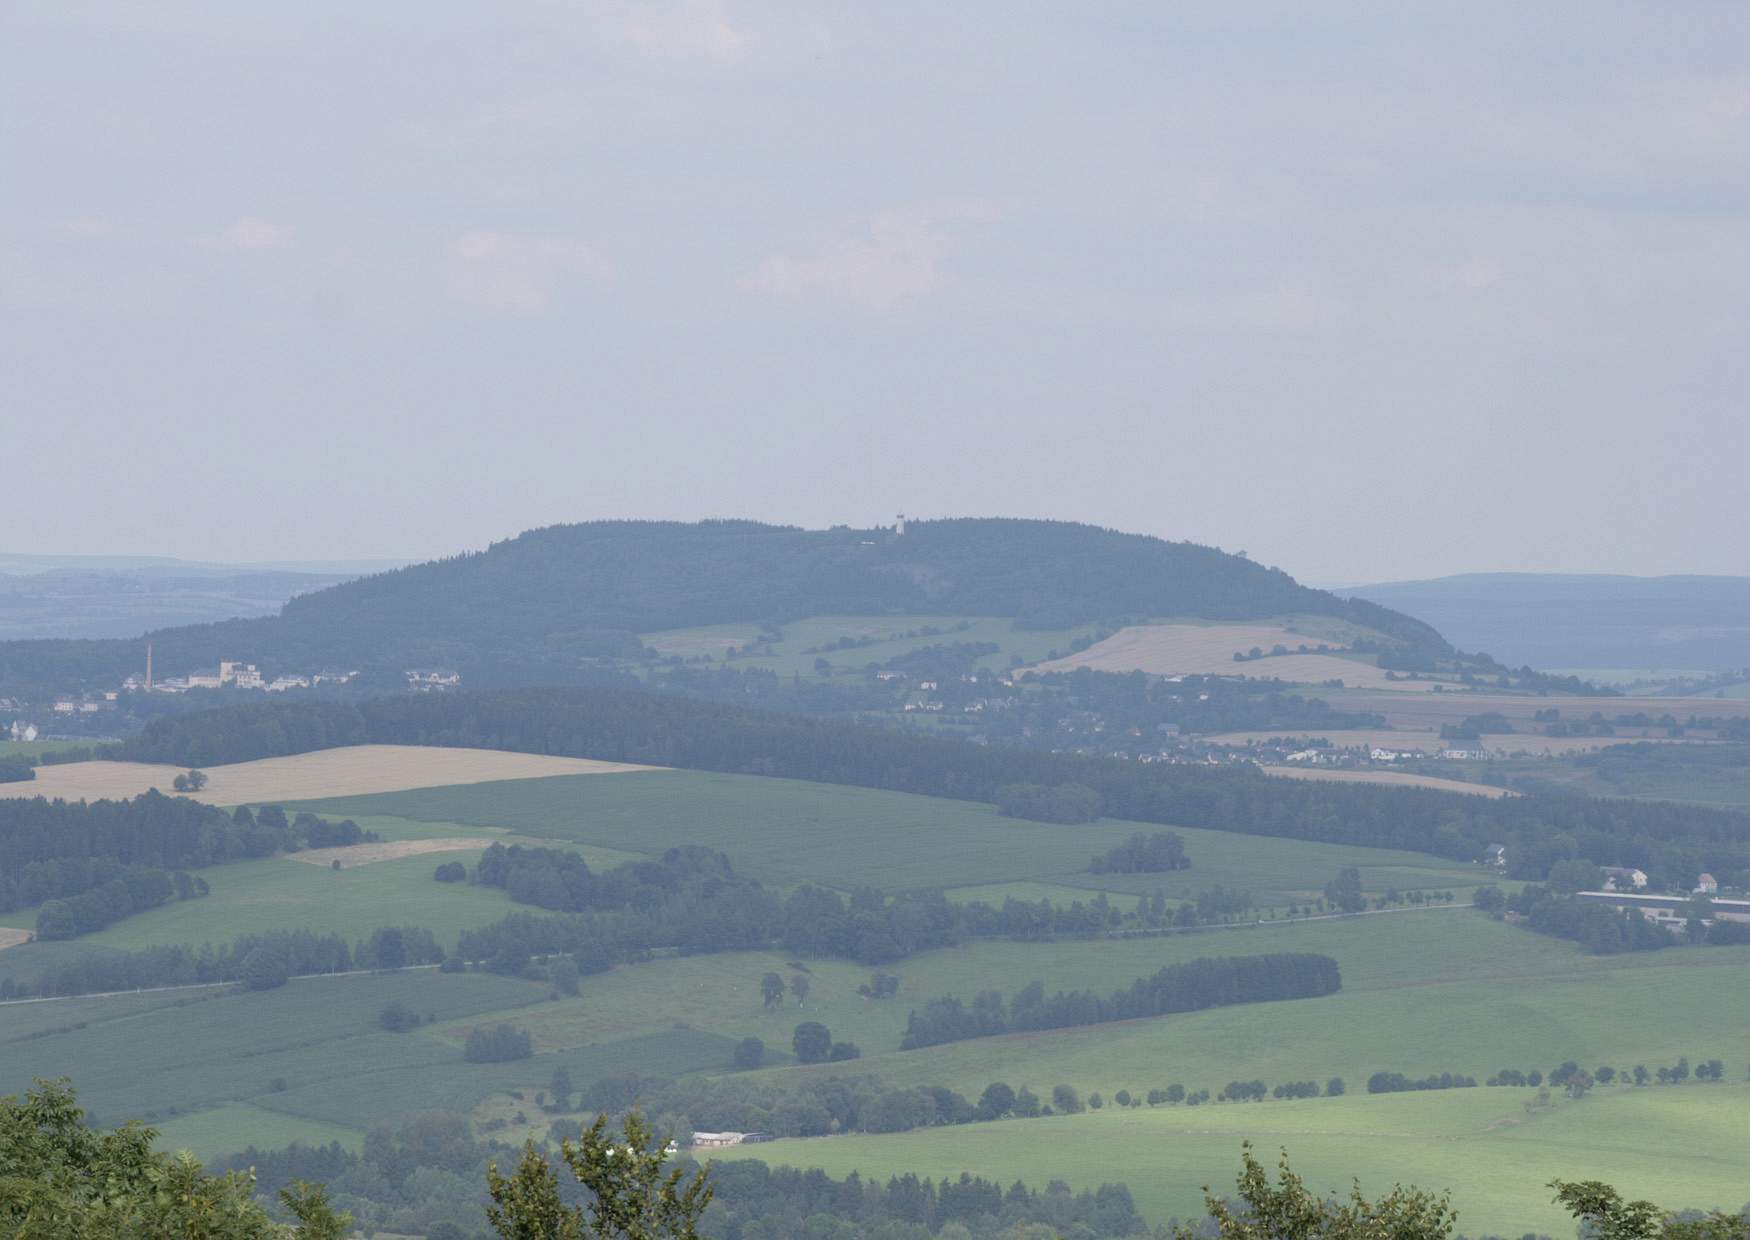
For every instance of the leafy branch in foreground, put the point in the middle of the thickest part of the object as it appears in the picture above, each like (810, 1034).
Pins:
(1604, 1214)
(630, 1196)
(60, 1180)
(1289, 1211)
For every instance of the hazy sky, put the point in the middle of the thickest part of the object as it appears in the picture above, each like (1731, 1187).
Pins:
(1385, 290)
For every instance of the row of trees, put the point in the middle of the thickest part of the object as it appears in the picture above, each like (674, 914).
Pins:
(1208, 982)
(1663, 838)
(261, 961)
(1397, 1082)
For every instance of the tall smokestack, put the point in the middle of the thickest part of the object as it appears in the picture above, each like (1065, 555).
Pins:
(148, 667)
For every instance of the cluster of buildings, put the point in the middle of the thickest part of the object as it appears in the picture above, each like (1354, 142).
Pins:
(229, 675)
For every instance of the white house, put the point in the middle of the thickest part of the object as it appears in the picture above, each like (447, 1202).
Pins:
(1706, 885)
(1617, 878)
(22, 731)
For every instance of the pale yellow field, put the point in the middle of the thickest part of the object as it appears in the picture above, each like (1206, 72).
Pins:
(1401, 779)
(10, 937)
(1209, 649)
(353, 771)
(350, 855)
(1430, 742)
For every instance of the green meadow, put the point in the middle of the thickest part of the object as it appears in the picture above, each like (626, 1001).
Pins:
(789, 831)
(1686, 1145)
(817, 637)
(277, 893)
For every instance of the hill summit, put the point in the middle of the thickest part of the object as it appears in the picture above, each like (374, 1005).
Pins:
(571, 593)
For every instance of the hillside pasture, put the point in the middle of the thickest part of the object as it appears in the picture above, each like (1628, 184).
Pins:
(231, 1128)
(874, 639)
(278, 893)
(212, 1047)
(1184, 649)
(789, 831)
(1389, 779)
(349, 771)
(1684, 1146)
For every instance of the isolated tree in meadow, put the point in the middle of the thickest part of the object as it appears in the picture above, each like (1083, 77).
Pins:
(189, 781)
(1064, 1098)
(799, 987)
(772, 989)
(750, 1053)
(560, 1087)
(563, 974)
(812, 1041)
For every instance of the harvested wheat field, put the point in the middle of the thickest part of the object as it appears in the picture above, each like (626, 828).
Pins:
(1398, 779)
(1209, 649)
(351, 855)
(356, 770)
(10, 937)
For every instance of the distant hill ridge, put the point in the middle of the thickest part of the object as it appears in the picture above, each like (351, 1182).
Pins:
(1584, 620)
(568, 593)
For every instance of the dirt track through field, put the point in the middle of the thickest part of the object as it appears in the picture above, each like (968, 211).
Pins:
(1209, 649)
(350, 855)
(1398, 779)
(10, 937)
(356, 770)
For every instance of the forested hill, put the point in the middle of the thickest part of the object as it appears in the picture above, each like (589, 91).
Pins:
(567, 593)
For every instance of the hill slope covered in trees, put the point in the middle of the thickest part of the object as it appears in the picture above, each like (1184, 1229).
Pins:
(569, 593)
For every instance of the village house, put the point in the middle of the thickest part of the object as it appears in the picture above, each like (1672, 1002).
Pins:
(1616, 878)
(1706, 885)
(22, 731)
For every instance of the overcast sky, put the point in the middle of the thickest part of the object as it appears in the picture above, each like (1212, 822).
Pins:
(1375, 292)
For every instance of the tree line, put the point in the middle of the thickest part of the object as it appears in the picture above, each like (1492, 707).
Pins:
(261, 961)
(1667, 840)
(1212, 981)
(90, 863)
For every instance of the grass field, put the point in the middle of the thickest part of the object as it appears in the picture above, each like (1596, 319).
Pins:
(1057, 893)
(1684, 1147)
(279, 893)
(787, 831)
(209, 1048)
(233, 1127)
(806, 640)
(36, 749)
(1193, 648)
(357, 769)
